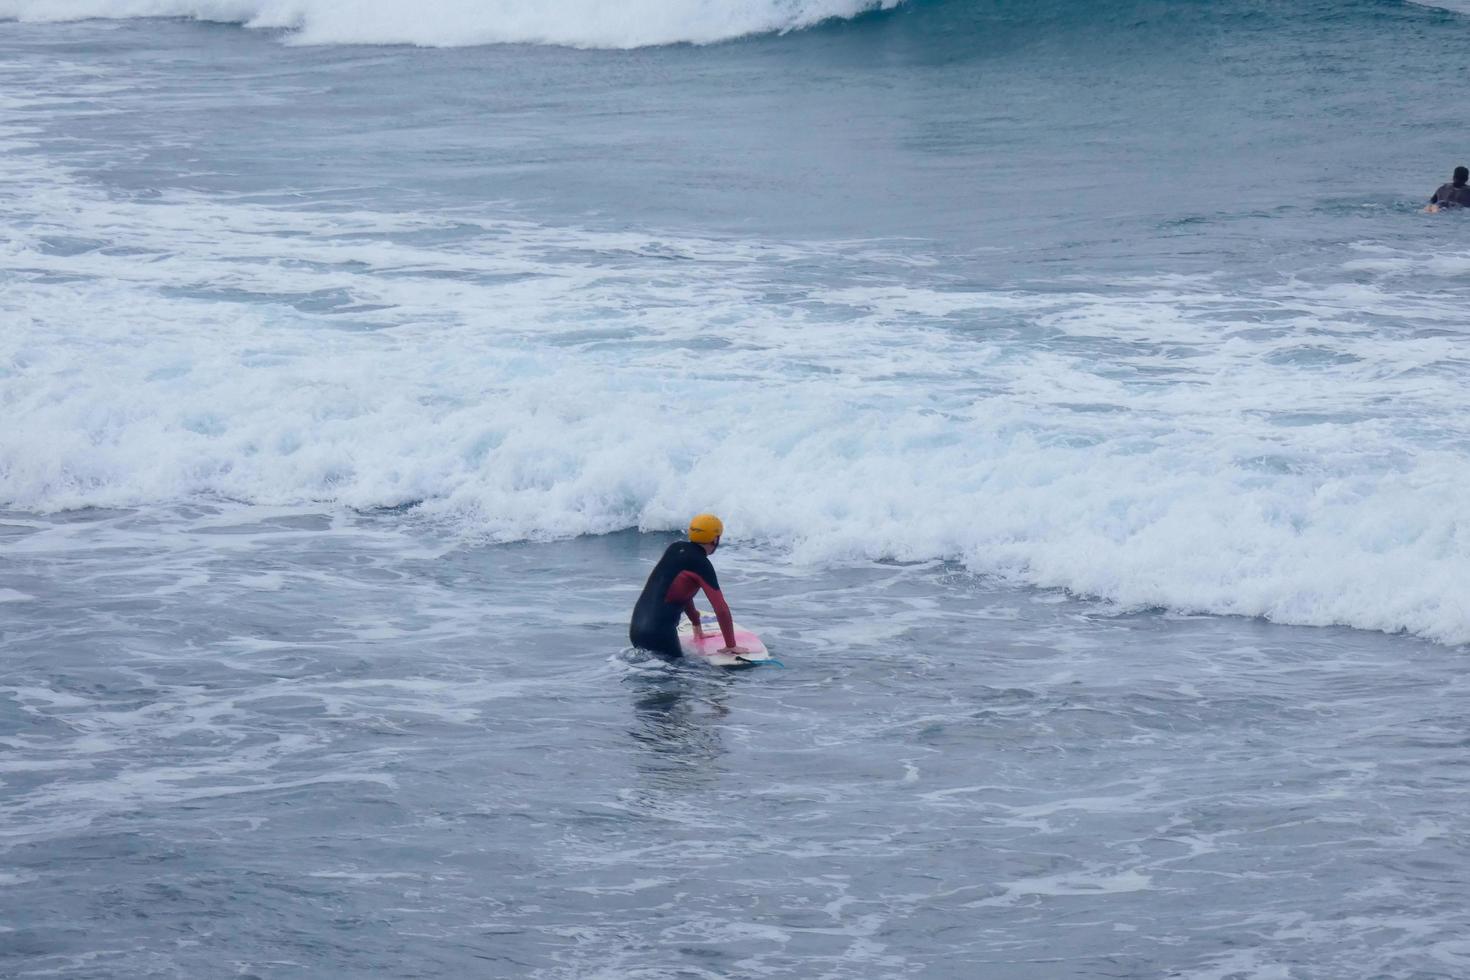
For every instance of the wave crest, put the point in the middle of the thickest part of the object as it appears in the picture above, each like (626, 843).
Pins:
(460, 23)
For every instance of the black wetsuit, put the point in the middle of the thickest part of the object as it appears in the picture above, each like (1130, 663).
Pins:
(680, 573)
(1452, 196)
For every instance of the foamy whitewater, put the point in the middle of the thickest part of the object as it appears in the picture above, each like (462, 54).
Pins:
(1083, 389)
(1283, 446)
(449, 23)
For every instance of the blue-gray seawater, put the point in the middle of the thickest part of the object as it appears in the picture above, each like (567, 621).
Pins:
(1081, 384)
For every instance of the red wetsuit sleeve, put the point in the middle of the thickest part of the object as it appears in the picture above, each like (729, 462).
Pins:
(682, 592)
(693, 614)
(722, 613)
(683, 589)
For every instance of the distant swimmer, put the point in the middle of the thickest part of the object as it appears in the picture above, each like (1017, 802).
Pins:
(682, 572)
(1452, 195)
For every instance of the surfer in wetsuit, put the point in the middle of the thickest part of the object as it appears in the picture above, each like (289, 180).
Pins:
(682, 572)
(1452, 195)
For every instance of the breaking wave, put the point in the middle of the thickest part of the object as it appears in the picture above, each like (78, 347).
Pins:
(458, 23)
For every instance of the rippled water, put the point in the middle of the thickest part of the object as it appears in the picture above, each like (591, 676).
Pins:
(286, 744)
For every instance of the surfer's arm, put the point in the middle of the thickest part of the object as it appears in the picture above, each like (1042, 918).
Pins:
(722, 613)
(693, 615)
(687, 584)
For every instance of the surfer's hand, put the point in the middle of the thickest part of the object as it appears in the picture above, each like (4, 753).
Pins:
(736, 651)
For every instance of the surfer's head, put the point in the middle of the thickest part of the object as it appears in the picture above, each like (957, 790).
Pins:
(706, 529)
(1461, 175)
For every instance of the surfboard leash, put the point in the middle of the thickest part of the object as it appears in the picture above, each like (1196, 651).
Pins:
(771, 661)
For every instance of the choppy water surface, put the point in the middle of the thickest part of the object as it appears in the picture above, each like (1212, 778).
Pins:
(281, 744)
(1081, 384)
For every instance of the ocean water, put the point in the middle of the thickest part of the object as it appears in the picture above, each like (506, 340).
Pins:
(1081, 385)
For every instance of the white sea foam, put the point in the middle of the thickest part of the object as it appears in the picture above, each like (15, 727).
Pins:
(453, 23)
(1147, 442)
(1059, 885)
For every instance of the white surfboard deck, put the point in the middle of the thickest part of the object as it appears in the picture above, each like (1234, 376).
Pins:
(707, 647)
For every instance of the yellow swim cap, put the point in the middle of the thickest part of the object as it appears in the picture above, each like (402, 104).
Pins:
(705, 528)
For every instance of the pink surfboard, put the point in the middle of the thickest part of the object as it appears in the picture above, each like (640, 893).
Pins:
(707, 647)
